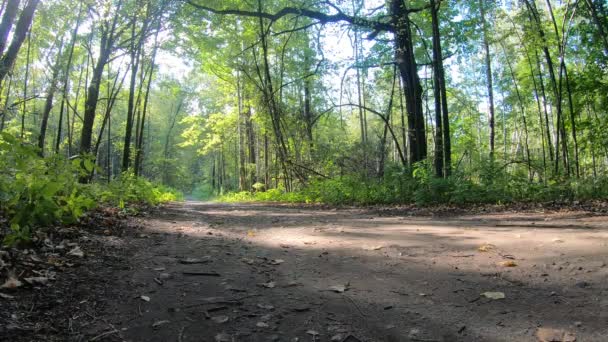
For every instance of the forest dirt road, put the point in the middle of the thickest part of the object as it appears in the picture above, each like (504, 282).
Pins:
(251, 272)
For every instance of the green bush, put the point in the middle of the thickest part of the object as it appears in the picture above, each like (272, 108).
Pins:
(36, 191)
(487, 185)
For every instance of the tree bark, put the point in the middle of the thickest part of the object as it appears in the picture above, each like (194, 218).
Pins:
(105, 50)
(21, 31)
(48, 104)
(66, 79)
(8, 18)
(489, 79)
(140, 144)
(443, 146)
(136, 48)
(408, 68)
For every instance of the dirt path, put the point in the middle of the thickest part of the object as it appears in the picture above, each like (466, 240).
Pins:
(218, 272)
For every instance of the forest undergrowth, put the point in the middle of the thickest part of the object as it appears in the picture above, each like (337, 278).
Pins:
(40, 191)
(486, 185)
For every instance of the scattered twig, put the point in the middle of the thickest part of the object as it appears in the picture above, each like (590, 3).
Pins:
(355, 305)
(180, 336)
(111, 332)
(201, 273)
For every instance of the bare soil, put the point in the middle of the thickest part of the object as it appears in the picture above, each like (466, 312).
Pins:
(248, 272)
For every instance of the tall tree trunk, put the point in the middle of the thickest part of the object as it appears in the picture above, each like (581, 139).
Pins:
(136, 49)
(66, 79)
(489, 79)
(443, 148)
(546, 112)
(563, 77)
(271, 102)
(70, 124)
(535, 18)
(523, 113)
(48, 104)
(112, 96)
(239, 128)
(251, 156)
(406, 62)
(140, 144)
(27, 74)
(105, 50)
(308, 115)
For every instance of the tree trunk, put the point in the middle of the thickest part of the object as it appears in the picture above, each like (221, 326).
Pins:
(66, 79)
(4, 112)
(523, 112)
(136, 49)
(48, 104)
(443, 148)
(535, 17)
(489, 80)
(599, 22)
(8, 18)
(406, 62)
(25, 81)
(21, 30)
(105, 50)
(140, 143)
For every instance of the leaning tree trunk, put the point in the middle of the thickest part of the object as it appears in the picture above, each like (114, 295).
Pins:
(21, 30)
(8, 18)
(48, 104)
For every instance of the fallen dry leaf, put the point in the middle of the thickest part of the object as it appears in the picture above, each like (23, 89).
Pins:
(11, 283)
(220, 319)
(486, 247)
(291, 283)
(338, 288)
(508, 263)
(223, 337)
(337, 338)
(248, 261)
(262, 325)
(554, 335)
(37, 280)
(276, 261)
(268, 285)
(145, 298)
(373, 248)
(77, 252)
(265, 306)
(159, 323)
(5, 296)
(494, 295)
(191, 261)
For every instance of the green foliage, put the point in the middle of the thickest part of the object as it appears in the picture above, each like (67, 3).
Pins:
(37, 191)
(422, 188)
(129, 189)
